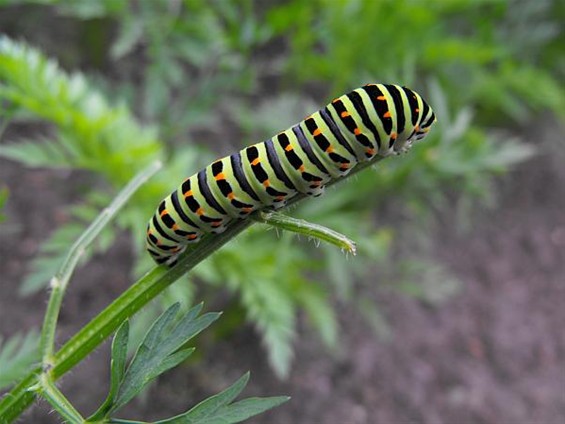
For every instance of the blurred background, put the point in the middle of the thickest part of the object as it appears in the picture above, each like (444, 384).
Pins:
(453, 309)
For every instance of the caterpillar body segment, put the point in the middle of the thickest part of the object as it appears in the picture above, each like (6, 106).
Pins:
(374, 120)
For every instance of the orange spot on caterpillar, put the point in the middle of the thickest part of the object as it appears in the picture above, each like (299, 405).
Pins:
(381, 98)
(370, 151)
(317, 132)
(187, 194)
(344, 166)
(417, 128)
(247, 210)
(330, 149)
(175, 227)
(266, 183)
(417, 110)
(216, 224)
(200, 211)
(164, 212)
(393, 136)
(387, 114)
(345, 114)
(288, 148)
(191, 236)
(256, 161)
(357, 131)
(220, 176)
(231, 196)
(301, 169)
(279, 198)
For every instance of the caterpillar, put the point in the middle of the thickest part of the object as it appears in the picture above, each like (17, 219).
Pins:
(371, 121)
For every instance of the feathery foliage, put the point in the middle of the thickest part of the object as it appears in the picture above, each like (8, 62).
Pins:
(17, 354)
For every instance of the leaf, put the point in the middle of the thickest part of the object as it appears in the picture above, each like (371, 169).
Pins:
(245, 409)
(117, 369)
(4, 193)
(130, 33)
(46, 153)
(171, 362)
(92, 133)
(320, 312)
(53, 252)
(271, 307)
(217, 410)
(17, 355)
(159, 350)
(509, 153)
(213, 403)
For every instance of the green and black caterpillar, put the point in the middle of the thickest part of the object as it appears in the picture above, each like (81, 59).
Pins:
(371, 121)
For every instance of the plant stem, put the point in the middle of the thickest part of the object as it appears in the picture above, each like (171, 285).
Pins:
(60, 281)
(127, 304)
(57, 400)
(59, 285)
(309, 229)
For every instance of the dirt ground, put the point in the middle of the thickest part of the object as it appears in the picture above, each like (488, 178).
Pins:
(495, 353)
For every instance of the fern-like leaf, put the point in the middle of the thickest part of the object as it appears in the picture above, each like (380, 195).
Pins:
(17, 354)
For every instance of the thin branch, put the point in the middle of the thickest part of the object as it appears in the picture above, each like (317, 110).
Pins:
(306, 228)
(60, 281)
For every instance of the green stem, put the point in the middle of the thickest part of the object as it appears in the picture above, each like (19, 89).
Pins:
(60, 281)
(133, 299)
(57, 400)
(309, 229)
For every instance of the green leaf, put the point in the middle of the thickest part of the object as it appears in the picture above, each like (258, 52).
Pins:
(218, 410)
(213, 403)
(117, 369)
(130, 34)
(17, 355)
(509, 153)
(3, 199)
(91, 133)
(159, 351)
(119, 356)
(320, 312)
(171, 362)
(53, 252)
(245, 409)
(46, 153)
(271, 307)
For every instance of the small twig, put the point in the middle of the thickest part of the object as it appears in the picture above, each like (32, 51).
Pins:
(310, 229)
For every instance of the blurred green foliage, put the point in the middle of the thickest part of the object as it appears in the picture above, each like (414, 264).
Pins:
(229, 72)
(17, 355)
(492, 53)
